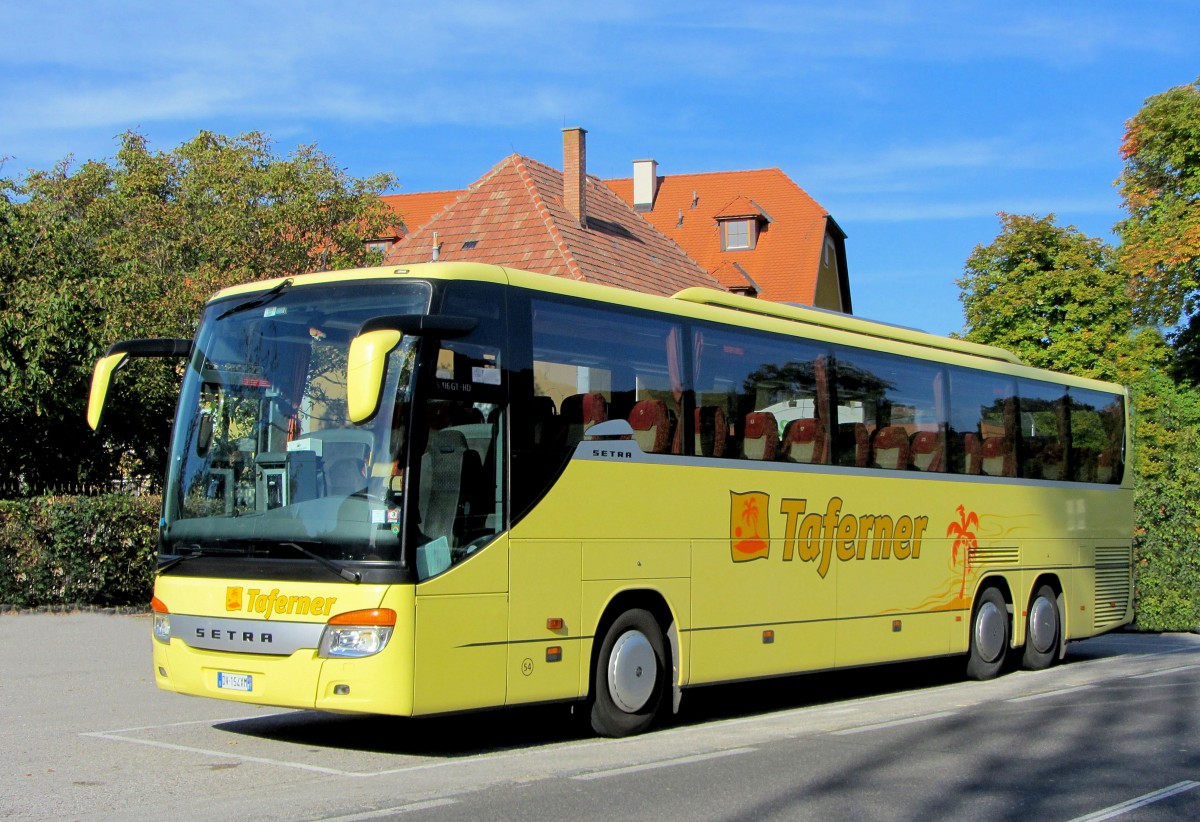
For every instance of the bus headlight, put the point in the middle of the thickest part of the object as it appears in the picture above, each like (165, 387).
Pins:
(162, 621)
(357, 633)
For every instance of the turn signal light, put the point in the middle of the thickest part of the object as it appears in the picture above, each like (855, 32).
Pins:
(356, 634)
(162, 620)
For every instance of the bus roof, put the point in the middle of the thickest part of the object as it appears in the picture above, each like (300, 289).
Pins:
(844, 322)
(697, 296)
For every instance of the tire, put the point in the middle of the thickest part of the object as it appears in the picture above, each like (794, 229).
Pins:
(989, 635)
(1043, 630)
(630, 676)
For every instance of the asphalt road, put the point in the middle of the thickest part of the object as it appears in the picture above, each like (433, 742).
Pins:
(1112, 733)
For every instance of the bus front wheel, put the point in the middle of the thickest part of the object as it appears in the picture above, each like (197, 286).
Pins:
(630, 677)
(1042, 631)
(989, 635)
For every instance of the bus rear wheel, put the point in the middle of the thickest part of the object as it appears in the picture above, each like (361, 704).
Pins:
(630, 677)
(1042, 631)
(989, 635)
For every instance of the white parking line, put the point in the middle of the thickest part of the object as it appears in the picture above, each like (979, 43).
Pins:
(1139, 802)
(895, 723)
(1047, 694)
(399, 809)
(153, 743)
(666, 763)
(1153, 674)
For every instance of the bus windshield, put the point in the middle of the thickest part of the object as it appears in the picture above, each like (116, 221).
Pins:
(265, 462)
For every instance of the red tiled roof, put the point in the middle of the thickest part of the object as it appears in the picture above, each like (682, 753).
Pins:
(417, 209)
(515, 216)
(787, 255)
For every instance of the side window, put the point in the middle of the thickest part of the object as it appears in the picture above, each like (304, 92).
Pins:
(1097, 436)
(592, 365)
(759, 398)
(891, 412)
(983, 424)
(460, 503)
(1044, 442)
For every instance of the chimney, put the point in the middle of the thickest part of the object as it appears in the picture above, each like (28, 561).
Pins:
(575, 173)
(645, 184)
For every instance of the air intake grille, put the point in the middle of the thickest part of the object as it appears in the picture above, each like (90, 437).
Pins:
(1112, 586)
(995, 556)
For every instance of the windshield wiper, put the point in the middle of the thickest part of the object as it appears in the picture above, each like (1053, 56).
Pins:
(194, 551)
(257, 301)
(344, 573)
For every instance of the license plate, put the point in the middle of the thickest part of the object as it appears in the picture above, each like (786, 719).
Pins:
(235, 682)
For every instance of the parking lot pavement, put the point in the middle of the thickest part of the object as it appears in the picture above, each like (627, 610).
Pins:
(88, 736)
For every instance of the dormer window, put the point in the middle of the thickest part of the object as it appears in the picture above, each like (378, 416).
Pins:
(737, 234)
(740, 221)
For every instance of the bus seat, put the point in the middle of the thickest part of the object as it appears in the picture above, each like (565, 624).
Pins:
(344, 477)
(441, 482)
(853, 444)
(711, 431)
(651, 423)
(544, 420)
(889, 447)
(1053, 459)
(973, 449)
(996, 458)
(761, 438)
(580, 412)
(804, 442)
(925, 452)
(440, 414)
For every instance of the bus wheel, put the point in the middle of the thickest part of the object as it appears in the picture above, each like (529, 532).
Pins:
(989, 635)
(1042, 631)
(630, 677)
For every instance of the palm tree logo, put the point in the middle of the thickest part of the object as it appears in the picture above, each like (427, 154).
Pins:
(964, 537)
(749, 530)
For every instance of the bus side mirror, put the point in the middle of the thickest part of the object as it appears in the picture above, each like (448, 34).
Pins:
(376, 339)
(364, 372)
(115, 357)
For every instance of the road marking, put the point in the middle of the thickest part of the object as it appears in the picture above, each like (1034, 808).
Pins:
(1047, 694)
(399, 809)
(1153, 674)
(219, 754)
(1139, 802)
(895, 723)
(666, 763)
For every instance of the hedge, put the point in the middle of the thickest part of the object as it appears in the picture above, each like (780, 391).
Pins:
(69, 551)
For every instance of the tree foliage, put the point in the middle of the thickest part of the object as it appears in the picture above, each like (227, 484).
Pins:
(1050, 295)
(132, 247)
(1160, 239)
(1160, 188)
(1060, 300)
(1167, 500)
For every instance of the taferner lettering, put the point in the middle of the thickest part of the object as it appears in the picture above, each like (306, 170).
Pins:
(273, 603)
(814, 536)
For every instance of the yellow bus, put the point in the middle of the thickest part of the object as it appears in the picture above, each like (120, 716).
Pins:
(448, 486)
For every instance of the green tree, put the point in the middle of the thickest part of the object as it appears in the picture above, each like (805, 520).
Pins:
(132, 248)
(1050, 295)
(1160, 239)
(1059, 300)
(1167, 501)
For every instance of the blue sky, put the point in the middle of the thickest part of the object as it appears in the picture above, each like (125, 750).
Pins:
(912, 123)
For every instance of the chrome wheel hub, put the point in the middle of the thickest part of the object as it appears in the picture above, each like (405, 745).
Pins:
(632, 671)
(989, 631)
(1043, 621)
